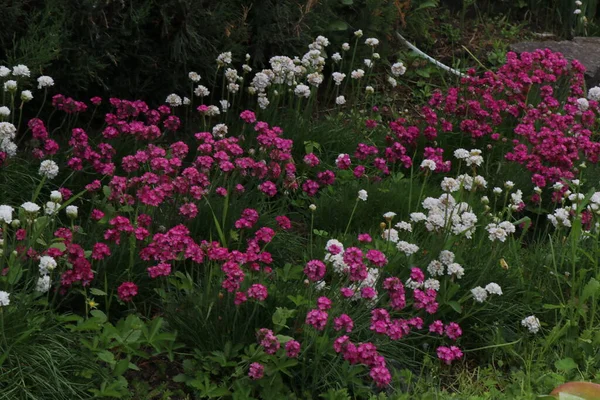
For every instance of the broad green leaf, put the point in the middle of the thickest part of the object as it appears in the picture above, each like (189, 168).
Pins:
(566, 364)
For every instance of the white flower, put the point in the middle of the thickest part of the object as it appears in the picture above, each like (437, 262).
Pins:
(186, 101)
(497, 190)
(389, 215)
(263, 102)
(233, 87)
(392, 81)
(4, 72)
(407, 248)
(30, 207)
(51, 208)
(48, 169)
(220, 130)
(340, 100)
(345, 46)
(194, 76)
(557, 186)
(201, 91)
(358, 33)
(246, 68)
(435, 268)
(6, 214)
(479, 294)
(493, 288)
(4, 111)
(432, 284)
(404, 226)
(373, 42)
(336, 57)
(224, 105)
(357, 74)
(450, 184)
(338, 77)
(47, 264)
(363, 195)
(302, 91)
(370, 90)
(578, 3)
(583, 104)
(26, 96)
(56, 196)
(456, 269)
(173, 100)
(461, 154)
(429, 164)
(43, 284)
(10, 86)
(312, 207)
(594, 93)
(45, 81)
(577, 11)
(560, 218)
(224, 59)
(446, 257)
(319, 286)
(390, 235)
(368, 63)
(532, 323)
(315, 79)
(576, 182)
(231, 75)
(418, 217)
(4, 298)
(71, 211)
(398, 69)
(509, 185)
(21, 70)
(474, 158)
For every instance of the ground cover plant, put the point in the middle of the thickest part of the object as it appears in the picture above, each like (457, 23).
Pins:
(297, 232)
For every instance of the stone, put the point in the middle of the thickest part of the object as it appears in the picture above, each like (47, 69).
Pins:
(584, 49)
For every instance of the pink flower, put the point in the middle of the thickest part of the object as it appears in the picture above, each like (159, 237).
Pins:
(189, 210)
(323, 303)
(240, 298)
(364, 238)
(453, 330)
(162, 269)
(283, 222)
(258, 292)
(343, 322)
(317, 319)
(417, 275)
(377, 258)
(315, 270)
(449, 354)
(368, 292)
(256, 371)
(100, 251)
(347, 292)
(247, 116)
(268, 188)
(292, 349)
(381, 376)
(437, 327)
(127, 291)
(311, 160)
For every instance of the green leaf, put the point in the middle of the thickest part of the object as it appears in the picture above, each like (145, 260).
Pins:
(455, 306)
(121, 367)
(106, 190)
(284, 339)
(59, 245)
(566, 364)
(97, 292)
(106, 356)
(427, 4)
(338, 25)
(347, 2)
(590, 289)
(281, 315)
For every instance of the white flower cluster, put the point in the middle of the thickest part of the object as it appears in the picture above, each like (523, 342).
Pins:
(7, 135)
(398, 69)
(560, 218)
(444, 212)
(4, 298)
(481, 294)
(500, 231)
(532, 323)
(48, 169)
(174, 100)
(407, 248)
(472, 157)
